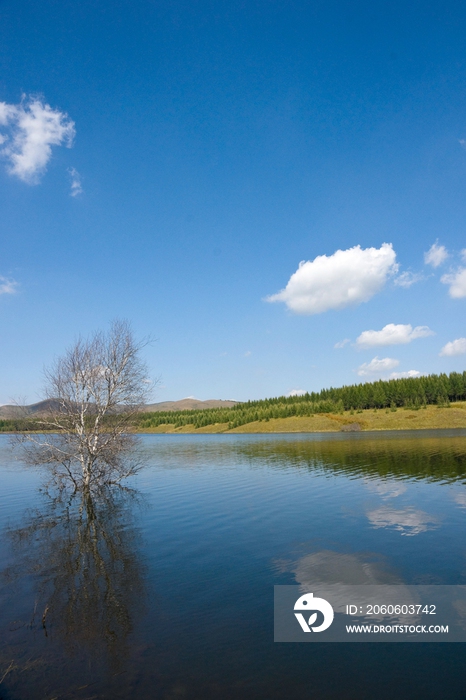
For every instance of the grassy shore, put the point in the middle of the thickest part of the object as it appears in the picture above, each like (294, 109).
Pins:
(431, 417)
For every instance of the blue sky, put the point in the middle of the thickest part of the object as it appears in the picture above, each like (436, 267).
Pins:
(173, 163)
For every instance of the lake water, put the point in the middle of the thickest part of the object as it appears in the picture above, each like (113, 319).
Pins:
(167, 591)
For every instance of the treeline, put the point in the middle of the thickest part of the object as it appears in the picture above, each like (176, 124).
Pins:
(413, 392)
(17, 425)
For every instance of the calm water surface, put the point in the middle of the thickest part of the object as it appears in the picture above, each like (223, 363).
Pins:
(166, 591)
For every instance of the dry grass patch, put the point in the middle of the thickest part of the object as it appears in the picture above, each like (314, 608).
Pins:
(432, 417)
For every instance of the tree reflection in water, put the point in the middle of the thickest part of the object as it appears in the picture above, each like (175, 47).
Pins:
(81, 555)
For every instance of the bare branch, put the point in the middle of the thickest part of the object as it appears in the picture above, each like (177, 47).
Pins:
(93, 392)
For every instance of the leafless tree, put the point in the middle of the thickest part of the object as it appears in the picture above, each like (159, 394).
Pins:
(93, 392)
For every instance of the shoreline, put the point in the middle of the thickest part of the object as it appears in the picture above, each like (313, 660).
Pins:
(431, 417)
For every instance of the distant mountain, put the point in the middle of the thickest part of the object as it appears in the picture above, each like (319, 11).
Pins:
(52, 404)
(27, 411)
(189, 405)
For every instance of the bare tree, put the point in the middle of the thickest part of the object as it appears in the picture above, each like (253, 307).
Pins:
(93, 392)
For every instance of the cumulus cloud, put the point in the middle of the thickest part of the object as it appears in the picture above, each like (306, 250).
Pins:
(342, 343)
(392, 334)
(456, 347)
(405, 375)
(386, 488)
(296, 392)
(436, 255)
(408, 521)
(376, 366)
(6, 113)
(406, 279)
(30, 129)
(460, 498)
(326, 568)
(7, 286)
(457, 282)
(333, 576)
(346, 278)
(76, 187)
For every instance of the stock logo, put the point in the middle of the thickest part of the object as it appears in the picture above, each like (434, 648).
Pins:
(308, 603)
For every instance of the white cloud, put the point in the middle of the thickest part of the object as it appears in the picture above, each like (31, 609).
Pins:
(456, 347)
(342, 343)
(463, 255)
(316, 571)
(405, 375)
(406, 279)
(457, 282)
(460, 498)
(392, 334)
(6, 112)
(296, 392)
(376, 366)
(7, 286)
(346, 278)
(408, 521)
(76, 187)
(30, 130)
(436, 255)
(248, 353)
(386, 489)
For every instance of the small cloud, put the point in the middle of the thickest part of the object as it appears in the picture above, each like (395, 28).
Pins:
(316, 571)
(455, 347)
(31, 128)
(463, 255)
(392, 334)
(248, 353)
(76, 187)
(296, 392)
(436, 255)
(408, 521)
(8, 286)
(457, 282)
(386, 488)
(223, 354)
(462, 142)
(376, 366)
(346, 278)
(7, 113)
(406, 279)
(405, 375)
(460, 498)
(342, 343)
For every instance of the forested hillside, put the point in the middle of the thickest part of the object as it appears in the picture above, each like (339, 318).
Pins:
(392, 394)
(414, 393)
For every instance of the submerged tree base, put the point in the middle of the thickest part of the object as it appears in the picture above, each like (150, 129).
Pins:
(93, 393)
